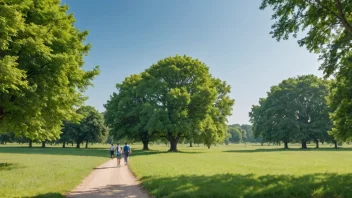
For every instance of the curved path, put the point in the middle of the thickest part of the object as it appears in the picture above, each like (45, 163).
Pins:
(109, 181)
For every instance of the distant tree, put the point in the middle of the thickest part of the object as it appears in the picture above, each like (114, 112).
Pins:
(327, 25)
(66, 135)
(90, 128)
(41, 60)
(7, 137)
(295, 109)
(236, 134)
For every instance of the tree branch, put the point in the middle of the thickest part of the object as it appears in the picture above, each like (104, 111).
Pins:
(343, 17)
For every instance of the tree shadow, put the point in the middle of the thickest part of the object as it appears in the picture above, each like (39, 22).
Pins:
(236, 185)
(48, 195)
(110, 191)
(4, 166)
(290, 150)
(93, 152)
(105, 167)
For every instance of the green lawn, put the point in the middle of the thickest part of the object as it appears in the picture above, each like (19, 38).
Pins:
(236, 171)
(48, 172)
(222, 171)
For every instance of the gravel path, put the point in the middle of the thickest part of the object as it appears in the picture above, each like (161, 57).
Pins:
(109, 181)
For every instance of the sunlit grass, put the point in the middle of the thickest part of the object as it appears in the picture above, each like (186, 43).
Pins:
(251, 171)
(48, 172)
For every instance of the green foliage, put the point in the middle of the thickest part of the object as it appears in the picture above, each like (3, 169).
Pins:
(328, 27)
(127, 113)
(41, 75)
(294, 110)
(6, 137)
(236, 134)
(174, 99)
(91, 128)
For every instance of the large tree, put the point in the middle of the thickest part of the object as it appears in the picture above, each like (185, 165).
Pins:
(186, 99)
(328, 28)
(41, 75)
(128, 112)
(294, 110)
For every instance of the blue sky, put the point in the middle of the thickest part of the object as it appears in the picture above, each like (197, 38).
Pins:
(230, 36)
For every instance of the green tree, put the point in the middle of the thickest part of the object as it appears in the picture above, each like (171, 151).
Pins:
(328, 28)
(7, 137)
(128, 112)
(185, 99)
(236, 134)
(41, 75)
(294, 110)
(90, 128)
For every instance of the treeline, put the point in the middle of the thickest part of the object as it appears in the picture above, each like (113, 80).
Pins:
(241, 134)
(88, 128)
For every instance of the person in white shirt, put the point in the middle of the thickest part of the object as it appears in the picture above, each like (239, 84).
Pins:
(112, 151)
(118, 154)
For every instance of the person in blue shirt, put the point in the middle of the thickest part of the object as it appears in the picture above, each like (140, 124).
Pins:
(126, 153)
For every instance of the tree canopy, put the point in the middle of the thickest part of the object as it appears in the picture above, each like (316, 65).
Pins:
(295, 110)
(328, 28)
(41, 75)
(128, 112)
(90, 128)
(175, 98)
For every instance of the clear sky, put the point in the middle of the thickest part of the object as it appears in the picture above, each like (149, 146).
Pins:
(230, 36)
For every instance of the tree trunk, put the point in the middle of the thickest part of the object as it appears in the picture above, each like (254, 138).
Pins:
(30, 143)
(173, 144)
(72, 144)
(335, 142)
(208, 146)
(86, 144)
(64, 145)
(316, 143)
(191, 144)
(286, 144)
(51, 143)
(145, 145)
(43, 144)
(78, 145)
(304, 144)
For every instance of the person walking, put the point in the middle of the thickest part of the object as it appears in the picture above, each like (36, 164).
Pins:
(112, 151)
(118, 154)
(126, 152)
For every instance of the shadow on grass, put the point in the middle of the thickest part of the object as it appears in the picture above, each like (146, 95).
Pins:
(290, 149)
(110, 191)
(236, 185)
(94, 152)
(48, 195)
(4, 166)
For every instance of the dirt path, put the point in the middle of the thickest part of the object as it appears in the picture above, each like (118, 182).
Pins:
(109, 181)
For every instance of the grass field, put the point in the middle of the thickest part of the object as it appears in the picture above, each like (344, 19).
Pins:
(48, 172)
(255, 171)
(222, 171)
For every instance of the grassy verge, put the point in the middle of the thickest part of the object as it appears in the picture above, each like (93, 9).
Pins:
(235, 171)
(48, 172)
